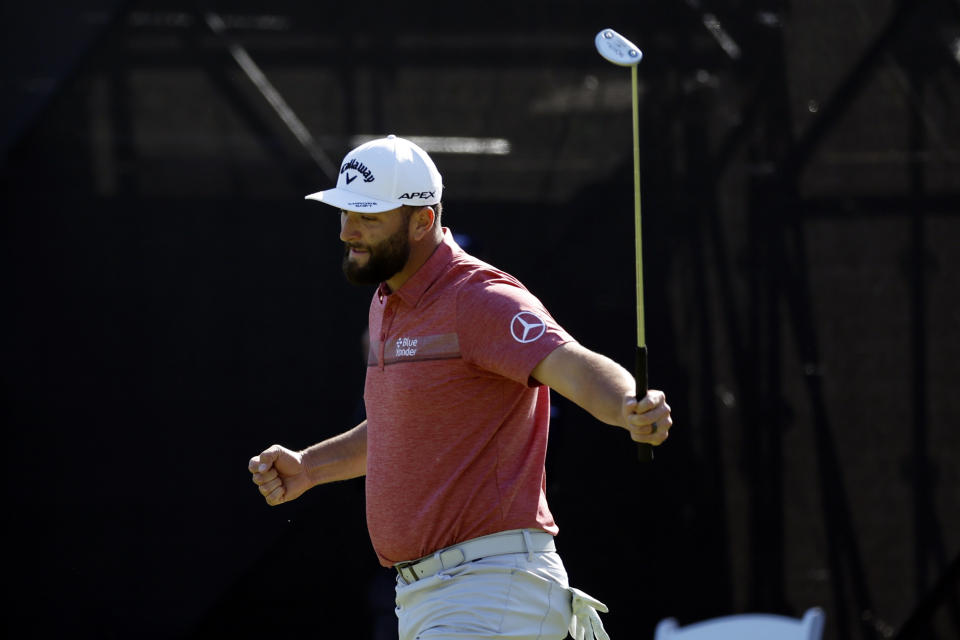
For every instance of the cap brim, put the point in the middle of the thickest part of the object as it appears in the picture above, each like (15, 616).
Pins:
(350, 201)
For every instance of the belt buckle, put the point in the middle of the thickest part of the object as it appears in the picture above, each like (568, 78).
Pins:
(446, 558)
(407, 566)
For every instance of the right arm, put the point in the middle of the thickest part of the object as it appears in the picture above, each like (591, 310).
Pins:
(284, 475)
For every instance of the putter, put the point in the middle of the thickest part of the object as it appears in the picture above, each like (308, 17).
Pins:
(620, 51)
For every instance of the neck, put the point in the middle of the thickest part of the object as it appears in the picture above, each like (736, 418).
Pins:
(420, 252)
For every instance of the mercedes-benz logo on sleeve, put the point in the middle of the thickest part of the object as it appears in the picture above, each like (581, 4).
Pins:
(527, 327)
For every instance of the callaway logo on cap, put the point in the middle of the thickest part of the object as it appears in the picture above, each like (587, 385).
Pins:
(384, 174)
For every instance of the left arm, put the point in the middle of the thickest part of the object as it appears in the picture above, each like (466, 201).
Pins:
(606, 390)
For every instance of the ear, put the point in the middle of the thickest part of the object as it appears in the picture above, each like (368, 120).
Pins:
(422, 222)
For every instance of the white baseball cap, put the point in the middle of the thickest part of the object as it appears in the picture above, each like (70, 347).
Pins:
(384, 174)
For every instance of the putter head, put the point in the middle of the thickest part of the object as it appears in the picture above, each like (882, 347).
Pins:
(617, 49)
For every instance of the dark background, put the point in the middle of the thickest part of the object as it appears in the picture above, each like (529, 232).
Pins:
(173, 306)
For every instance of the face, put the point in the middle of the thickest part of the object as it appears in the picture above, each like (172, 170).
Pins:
(376, 246)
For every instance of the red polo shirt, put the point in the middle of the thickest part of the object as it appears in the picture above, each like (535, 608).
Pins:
(456, 428)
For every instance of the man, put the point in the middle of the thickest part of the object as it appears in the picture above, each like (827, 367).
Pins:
(460, 364)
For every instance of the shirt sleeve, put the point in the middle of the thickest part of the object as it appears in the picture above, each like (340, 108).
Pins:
(505, 329)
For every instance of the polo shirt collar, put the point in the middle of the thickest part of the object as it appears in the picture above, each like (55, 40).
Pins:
(436, 265)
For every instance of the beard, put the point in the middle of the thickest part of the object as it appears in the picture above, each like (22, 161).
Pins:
(384, 260)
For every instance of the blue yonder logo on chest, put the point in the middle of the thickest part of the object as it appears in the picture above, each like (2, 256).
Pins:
(406, 347)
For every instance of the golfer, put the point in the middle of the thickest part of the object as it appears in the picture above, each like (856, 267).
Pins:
(461, 361)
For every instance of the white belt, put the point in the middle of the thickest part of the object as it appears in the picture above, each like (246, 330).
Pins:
(496, 544)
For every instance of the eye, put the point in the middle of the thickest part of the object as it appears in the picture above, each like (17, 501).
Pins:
(369, 218)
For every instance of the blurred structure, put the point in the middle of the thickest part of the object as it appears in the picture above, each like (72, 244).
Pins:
(174, 306)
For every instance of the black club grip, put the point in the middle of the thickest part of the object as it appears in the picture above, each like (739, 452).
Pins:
(644, 450)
